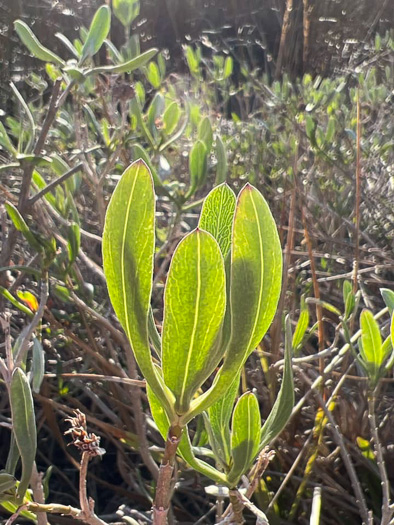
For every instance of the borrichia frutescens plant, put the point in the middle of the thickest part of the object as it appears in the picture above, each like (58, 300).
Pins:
(220, 297)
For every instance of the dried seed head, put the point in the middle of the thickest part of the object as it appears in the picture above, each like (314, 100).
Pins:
(81, 439)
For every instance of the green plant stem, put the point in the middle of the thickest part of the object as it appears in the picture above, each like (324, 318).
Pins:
(387, 511)
(161, 503)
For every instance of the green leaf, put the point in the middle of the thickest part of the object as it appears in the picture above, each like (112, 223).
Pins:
(73, 242)
(256, 271)
(347, 289)
(390, 362)
(5, 293)
(205, 133)
(22, 227)
(128, 248)
(24, 426)
(32, 43)
(217, 216)
(141, 153)
(256, 275)
(193, 60)
(371, 343)
(330, 130)
(153, 75)
(155, 110)
(38, 365)
(13, 456)
(5, 141)
(310, 126)
(302, 325)
(126, 67)
(221, 166)
(171, 117)
(197, 166)
(228, 67)
(194, 306)
(126, 10)
(388, 298)
(98, 32)
(7, 481)
(245, 436)
(219, 415)
(283, 406)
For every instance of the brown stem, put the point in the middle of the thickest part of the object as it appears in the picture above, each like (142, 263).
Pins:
(285, 30)
(387, 511)
(316, 289)
(38, 494)
(307, 9)
(161, 503)
(87, 505)
(358, 197)
(237, 508)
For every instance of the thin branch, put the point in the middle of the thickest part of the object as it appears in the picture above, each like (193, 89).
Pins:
(99, 377)
(53, 184)
(363, 509)
(387, 511)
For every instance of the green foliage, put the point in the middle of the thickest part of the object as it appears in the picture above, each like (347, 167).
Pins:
(98, 31)
(24, 427)
(227, 123)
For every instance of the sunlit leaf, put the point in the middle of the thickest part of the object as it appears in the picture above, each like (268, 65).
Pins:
(98, 32)
(128, 247)
(195, 301)
(245, 436)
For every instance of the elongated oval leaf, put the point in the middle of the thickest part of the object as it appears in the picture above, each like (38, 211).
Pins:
(371, 339)
(7, 481)
(217, 216)
(283, 406)
(194, 306)
(221, 166)
(197, 166)
(205, 133)
(128, 246)
(302, 325)
(34, 45)
(24, 426)
(126, 67)
(256, 275)
(126, 10)
(245, 436)
(171, 117)
(38, 368)
(98, 32)
(388, 298)
(21, 226)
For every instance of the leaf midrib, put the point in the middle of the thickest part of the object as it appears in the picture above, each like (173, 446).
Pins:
(122, 260)
(195, 322)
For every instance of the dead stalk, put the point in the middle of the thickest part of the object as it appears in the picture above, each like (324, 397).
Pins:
(358, 197)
